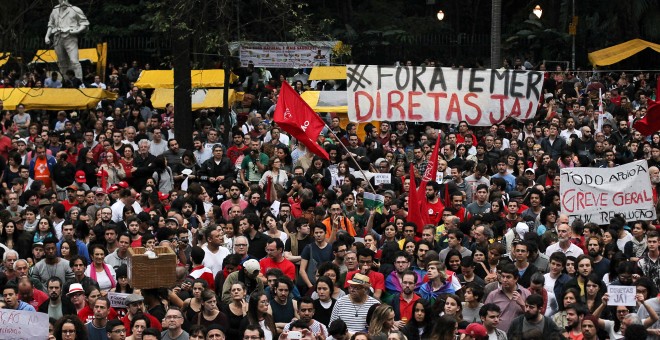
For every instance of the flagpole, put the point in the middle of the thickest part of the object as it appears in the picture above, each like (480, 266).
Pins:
(351, 155)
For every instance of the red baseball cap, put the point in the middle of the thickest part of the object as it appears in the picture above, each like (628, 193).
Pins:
(80, 176)
(475, 330)
(123, 184)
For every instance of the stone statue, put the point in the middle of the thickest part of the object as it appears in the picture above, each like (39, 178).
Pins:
(65, 23)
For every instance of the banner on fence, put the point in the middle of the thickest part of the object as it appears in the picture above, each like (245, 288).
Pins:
(284, 54)
(597, 194)
(481, 97)
(19, 325)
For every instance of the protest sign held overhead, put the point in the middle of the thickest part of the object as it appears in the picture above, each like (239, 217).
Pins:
(596, 195)
(481, 97)
(18, 324)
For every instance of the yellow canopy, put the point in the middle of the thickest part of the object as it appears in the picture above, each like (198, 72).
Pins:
(49, 56)
(4, 57)
(616, 53)
(201, 98)
(312, 99)
(328, 73)
(63, 99)
(12, 97)
(164, 79)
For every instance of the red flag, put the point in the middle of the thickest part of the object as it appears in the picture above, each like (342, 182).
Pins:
(269, 185)
(431, 169)
(651, 122)
(415, 214)
(294, 116)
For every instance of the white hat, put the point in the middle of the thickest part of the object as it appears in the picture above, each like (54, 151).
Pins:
(251, 266)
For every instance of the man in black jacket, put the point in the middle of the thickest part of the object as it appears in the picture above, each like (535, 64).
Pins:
(55, 306)
(533, 322)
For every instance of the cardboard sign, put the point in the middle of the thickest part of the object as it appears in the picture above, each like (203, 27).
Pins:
(117, 299)
(596, 194)
(622, 295)
(23, 325)
(482, 97)
(382, 178)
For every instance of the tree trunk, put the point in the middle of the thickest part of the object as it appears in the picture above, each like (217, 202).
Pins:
(183, 118)
(496, 35)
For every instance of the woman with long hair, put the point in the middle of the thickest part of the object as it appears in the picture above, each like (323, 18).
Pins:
(445, 328)
(193, 305)
(452, 306)
(283, 153)
(236, 310)
(272, 227)
(44, 230)
(127, 160)
(319, 175)
(420, 325)
(571, 296)
(594, 291)
(99, 271)
(110, 168)
(439, 282)
(122, 281)
(163, 176)
(68, 249)
(382, 322)
(324, 303)
(453, 261)
(210, 313)
(15, 239)
(259, 314)
(87, 163)
(275, 173)
(11, 172)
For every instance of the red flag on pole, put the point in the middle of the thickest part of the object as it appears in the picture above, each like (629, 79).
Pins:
(431, 172)
(294, 116)
(651, 122)
(415, 214)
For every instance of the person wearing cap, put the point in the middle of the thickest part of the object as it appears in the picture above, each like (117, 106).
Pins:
(134, 306)
(474, 331)
(353, 308)
(589, 326)
(249, 276)
(81, 180)
(71, 199)
(532, 319)
(99, 202)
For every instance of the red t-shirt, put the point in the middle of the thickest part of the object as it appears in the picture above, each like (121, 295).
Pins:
(286, 266)
(87, 314)
(38, 297)
(435, 211)
(154, 323)
(376, 279)
(204, 273)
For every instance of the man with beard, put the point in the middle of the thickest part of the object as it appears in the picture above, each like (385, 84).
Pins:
(433, 203)
(601, 263)
(404, 301)
(133, 224)
(589, 325)
(200, 152)
(284, 307)
(51, 265)
(564, 245)
(574, 315)
(215, 253)
(306, 314)
(394, 281)
(654, 174)
(173, 153)
(238, 148)
(533, 321)
(134, 306)
(55, 306)
(583, 267)
(622, 135)
(234, 200)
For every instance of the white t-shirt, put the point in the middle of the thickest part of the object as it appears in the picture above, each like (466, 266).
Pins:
(214, 261)
(549, 282)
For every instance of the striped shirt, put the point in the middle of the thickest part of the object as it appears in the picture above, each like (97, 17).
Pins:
(316, 328)
(354, 315)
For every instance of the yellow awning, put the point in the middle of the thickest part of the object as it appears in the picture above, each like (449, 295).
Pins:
(12, 97)
(328, 73)
(201, 98)
(4, 57)
(49, 56)
(64, 99)
(164, 79)
(312, 99)
(616, 53)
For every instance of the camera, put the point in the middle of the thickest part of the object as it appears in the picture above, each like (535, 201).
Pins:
(294, 335)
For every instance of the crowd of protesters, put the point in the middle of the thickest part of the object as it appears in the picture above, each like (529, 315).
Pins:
(274, 242)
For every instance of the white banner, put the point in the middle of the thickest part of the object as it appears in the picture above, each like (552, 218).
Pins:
(595, 194)
(482, 97)
(117, 300)
(23, 325)
(622, 295)
(382, 178)
(285, 54)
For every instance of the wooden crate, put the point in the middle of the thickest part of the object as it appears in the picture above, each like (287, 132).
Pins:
(145, 273)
